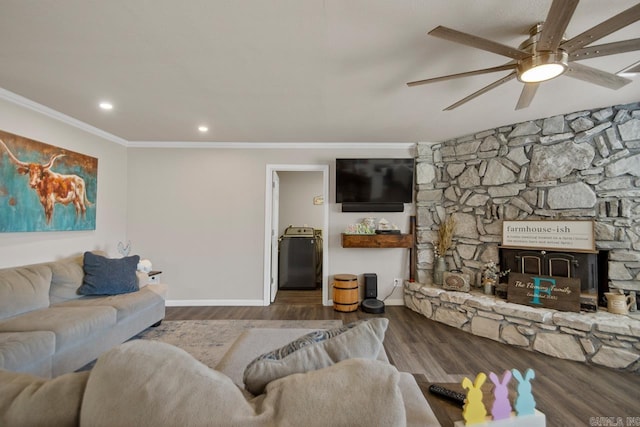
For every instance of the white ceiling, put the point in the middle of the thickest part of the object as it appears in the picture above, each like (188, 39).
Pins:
(287, 70)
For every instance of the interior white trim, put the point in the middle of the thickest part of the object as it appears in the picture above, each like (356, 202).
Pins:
(394, 302)
(212, 302)
(49, 112)
(270, 169)
(273, 145)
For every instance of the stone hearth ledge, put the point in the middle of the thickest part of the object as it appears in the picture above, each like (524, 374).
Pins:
(599, 338)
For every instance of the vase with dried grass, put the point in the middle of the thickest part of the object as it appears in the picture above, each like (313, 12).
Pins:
(440, 248)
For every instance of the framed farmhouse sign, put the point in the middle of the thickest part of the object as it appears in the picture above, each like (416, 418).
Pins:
(559, 293)
(576, 236)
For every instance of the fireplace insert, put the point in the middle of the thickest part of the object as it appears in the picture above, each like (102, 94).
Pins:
(589, 267)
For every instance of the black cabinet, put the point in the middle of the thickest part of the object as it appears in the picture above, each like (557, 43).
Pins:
(584, 266)
(298, 263)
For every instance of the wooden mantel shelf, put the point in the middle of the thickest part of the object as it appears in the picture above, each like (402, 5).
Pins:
(377, 240)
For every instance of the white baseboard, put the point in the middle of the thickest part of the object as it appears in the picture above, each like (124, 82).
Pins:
(213, 302)
(240, 302)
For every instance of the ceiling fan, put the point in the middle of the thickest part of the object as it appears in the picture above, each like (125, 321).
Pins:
(546, 54)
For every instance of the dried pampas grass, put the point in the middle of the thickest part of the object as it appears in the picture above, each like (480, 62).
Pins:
(445, 236)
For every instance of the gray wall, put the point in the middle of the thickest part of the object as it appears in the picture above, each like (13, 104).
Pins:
(111, 216)
(297, 190)
(198, 215)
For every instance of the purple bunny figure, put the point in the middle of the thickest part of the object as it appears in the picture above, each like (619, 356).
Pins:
(525, 403)
(501, 408)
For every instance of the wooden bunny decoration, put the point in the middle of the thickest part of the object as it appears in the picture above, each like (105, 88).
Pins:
(525, 403)
(501, 408)
(474, 411)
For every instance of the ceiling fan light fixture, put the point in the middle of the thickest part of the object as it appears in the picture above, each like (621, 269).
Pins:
(542, 66)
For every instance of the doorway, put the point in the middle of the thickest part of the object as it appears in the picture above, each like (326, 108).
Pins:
(273, 227)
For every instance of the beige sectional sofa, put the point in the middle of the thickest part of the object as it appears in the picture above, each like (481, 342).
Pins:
(48, 329)
(150, 383)
(253, 342)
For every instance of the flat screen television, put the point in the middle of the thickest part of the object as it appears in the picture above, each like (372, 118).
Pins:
(374, 182)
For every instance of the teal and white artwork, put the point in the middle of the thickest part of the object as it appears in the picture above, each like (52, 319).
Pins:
(45, 188)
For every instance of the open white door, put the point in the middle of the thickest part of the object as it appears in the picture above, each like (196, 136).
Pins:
(275, 209)
(271, 215)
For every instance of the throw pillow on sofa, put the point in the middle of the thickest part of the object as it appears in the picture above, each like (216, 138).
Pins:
(317, 350)
(107, 276)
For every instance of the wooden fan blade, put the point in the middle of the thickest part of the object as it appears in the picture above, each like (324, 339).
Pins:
(558, 18)
(481, 91)
(595, 76)
(635, 68)
(605, 49)
(477, 42)
(527, 94)
(603, 29)
(509, 66)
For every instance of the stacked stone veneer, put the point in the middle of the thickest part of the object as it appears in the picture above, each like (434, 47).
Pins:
(584, 165)
(578, 166)
(598, 338)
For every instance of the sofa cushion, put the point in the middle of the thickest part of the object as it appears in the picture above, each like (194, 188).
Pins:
(149, 383)
(126, 304)
(71, 325)
(26, 400)
(66, 279)
(24, 289)
(319, 349)
(27, 351)
(109, 276)
(252, 343)
(354, 392)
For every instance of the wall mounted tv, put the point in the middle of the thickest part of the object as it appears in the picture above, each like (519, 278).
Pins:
(374, 185)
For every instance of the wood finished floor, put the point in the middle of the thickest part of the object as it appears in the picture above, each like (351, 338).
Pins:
(569, 393)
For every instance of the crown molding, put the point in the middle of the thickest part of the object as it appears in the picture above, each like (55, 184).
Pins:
(49, 112)
(56, 115)
(273, 145)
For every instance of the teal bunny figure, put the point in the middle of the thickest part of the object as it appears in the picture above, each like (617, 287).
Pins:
(525, 403)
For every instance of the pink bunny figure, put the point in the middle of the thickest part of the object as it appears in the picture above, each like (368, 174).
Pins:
(474, 410)
(501, 408)
(525, 403)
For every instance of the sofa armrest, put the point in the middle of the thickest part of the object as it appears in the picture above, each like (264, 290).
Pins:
(254, 342)
(418, 410)
(251, 344)
(160, 289)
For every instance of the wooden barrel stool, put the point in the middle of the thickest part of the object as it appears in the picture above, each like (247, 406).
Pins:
(345, 292)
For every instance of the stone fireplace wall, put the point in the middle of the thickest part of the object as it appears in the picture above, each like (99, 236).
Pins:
(583, 165)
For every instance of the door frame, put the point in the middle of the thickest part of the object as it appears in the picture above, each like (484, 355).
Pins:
(275, 225)
(268, 215)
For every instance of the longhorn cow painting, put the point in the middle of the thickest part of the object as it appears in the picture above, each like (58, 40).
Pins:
(45, 188)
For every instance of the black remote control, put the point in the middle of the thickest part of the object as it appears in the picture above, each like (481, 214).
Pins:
(447, 394)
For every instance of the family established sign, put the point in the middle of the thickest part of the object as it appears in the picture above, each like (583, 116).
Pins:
(559, 293)
(577, 236)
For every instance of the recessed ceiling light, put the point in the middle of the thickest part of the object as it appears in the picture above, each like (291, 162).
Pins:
(203, 129)
(106, 106)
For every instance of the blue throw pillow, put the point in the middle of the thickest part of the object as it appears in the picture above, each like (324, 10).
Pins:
(106, 276)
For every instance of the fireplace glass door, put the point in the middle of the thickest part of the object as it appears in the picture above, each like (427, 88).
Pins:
(583, 266)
